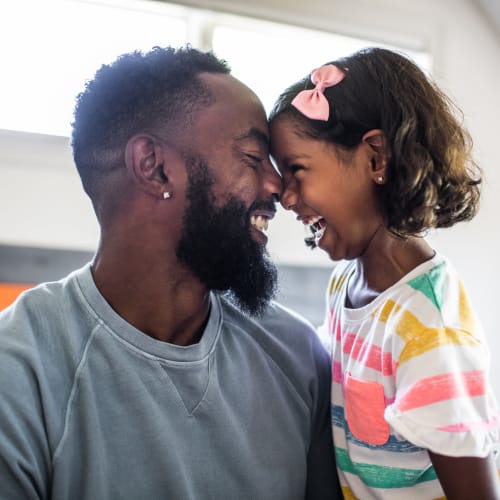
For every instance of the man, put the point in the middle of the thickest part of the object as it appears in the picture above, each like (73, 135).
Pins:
(139, 376)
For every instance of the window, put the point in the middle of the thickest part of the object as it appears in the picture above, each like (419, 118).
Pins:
(61, 43)
(49, 53)
(269, 56)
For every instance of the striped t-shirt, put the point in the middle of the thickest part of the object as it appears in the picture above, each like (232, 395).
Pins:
(410, 373)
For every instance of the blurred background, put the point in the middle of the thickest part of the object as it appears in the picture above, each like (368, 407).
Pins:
(50, 47)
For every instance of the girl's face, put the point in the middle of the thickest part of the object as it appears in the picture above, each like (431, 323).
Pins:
(335, 192)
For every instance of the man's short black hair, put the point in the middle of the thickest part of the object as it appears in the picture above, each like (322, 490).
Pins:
(156, 91)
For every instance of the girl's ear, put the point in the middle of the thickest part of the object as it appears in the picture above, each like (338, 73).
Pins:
(378, 152)
(145, 162)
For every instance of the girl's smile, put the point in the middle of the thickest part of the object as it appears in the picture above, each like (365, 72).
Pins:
(331, 191)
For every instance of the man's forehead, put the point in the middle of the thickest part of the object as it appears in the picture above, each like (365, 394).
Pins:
(255, 134)
(225, 87)
(236, 108)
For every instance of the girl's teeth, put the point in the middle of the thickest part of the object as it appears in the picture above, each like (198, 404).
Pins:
(318, 235)
(314, 233)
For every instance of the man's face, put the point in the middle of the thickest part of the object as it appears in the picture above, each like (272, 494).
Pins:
(217, 244)
(231, 193)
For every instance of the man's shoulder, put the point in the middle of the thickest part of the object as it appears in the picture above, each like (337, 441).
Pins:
(44, 298)
(276, 317)
(280, 316)
(280, 331)
(43, 317)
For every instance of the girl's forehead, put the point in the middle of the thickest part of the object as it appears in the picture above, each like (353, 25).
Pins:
(284, 124)
(282, 133)
(289, 142)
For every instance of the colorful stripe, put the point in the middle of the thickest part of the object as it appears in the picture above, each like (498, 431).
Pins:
(393, 444)
(386, 311)
(472, 426)
(433, 338)
(443, 387)
(419, 338)
(370, 355)
(431, 284)
(408, 325)
(337, 374)
(467, 318)
(348, 494)
(337, 283)
(334, 326)
(379, 476)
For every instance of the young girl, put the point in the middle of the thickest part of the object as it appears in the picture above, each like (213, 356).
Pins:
(372, 157)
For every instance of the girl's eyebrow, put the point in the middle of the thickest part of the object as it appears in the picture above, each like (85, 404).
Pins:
(294, 157)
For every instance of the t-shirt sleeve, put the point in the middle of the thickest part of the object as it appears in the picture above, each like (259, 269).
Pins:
(443, 400)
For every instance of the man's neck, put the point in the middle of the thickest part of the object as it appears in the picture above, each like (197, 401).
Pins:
(164, 301)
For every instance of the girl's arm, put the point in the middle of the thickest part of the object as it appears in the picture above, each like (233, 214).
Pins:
(463, 478)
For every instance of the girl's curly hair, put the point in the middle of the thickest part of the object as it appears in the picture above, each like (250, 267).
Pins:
(432, 180)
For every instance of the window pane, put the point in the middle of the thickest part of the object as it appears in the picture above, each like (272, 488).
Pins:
(269, 56)
(50, 48)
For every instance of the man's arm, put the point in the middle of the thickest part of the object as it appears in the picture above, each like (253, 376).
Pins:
(322, 478)
(24, 451)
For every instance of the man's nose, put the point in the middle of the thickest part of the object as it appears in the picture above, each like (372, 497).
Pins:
(272, 184)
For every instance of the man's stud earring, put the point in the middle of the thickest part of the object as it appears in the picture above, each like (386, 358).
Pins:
(380, 179)
(166, 195)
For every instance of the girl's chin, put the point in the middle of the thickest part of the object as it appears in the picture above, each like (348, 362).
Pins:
(333, 252)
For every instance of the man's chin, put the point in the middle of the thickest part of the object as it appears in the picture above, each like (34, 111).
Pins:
(257, 290)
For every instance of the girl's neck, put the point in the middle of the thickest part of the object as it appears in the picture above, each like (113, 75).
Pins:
(386, 261)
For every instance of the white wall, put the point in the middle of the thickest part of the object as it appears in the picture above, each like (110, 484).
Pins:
(42, 204)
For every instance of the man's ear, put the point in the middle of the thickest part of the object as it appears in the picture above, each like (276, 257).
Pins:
(378, 152)
(145, 162)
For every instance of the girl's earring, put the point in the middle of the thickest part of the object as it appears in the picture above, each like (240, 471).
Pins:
(167, 195)
(380, 179)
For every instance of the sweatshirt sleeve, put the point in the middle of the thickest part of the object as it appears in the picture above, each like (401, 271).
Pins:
(24, 450)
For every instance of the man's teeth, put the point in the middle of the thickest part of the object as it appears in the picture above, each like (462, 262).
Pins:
(259, 222)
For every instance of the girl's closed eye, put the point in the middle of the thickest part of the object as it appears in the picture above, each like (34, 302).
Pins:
(296, 168)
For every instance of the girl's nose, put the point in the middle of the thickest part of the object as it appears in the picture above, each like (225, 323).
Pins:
(288, 198)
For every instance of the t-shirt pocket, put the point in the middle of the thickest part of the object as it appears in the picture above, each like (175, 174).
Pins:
(364, 407)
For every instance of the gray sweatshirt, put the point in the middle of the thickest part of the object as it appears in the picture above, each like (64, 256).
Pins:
(92, 408)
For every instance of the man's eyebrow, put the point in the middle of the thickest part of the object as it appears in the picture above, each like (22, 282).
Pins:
(256, 134)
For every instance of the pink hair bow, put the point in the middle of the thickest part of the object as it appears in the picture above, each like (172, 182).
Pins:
(313, 103)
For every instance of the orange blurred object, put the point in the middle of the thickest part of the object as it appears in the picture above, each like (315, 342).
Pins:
(10, 291)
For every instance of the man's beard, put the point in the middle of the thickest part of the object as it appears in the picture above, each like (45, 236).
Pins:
(216, 244)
